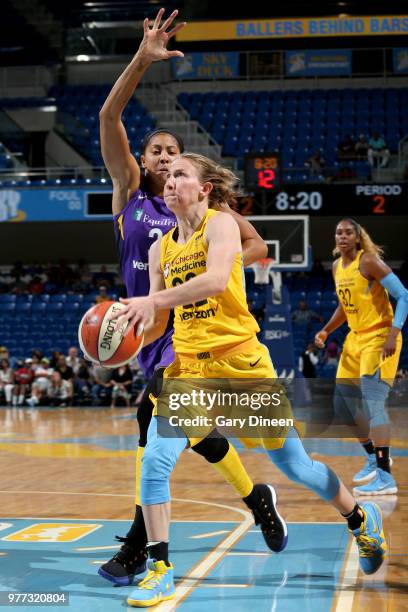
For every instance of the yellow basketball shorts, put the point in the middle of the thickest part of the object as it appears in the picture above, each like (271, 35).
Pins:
(361, 356)
(240, 381)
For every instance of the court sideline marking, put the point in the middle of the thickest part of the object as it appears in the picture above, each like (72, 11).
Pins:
(348, 581)
(192, 579)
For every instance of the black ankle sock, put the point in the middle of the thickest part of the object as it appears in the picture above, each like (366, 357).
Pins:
(355, 518)
(137, 535)
(369, 447)
(382, 454)
(159, 551)
(251, 499)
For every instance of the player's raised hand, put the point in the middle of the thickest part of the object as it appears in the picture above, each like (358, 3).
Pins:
(320, 338)
(153, 47)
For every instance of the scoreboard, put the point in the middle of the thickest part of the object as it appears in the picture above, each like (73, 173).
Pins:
(351, 199)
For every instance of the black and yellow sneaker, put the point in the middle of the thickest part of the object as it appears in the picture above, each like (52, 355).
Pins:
(125, 564)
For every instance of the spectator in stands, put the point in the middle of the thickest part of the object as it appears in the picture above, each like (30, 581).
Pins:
(73, 361)
(346, 148)
(65, 274)
(6, 380)
(103, 295)
(332, 353)
(35, 286)
(308, 361)
(361, 147)
(20, 284)
(102, 387)
(4, 353)
(378, 152)
(83, 282)
(316, 163)
(23, 376)
(304, 315)
(59, 391)
(122, 385)
(41, 382)
(83, 382)
(64, 370)
(18, 269)
(103, 277)
(54, 359)
(52, 283)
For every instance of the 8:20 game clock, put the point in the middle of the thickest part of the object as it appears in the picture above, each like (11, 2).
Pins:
(262, 171)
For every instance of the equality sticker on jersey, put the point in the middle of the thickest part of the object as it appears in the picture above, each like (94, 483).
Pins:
(52, 532)
(137, 214)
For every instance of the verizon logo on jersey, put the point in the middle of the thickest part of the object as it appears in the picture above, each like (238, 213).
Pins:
(140, 265)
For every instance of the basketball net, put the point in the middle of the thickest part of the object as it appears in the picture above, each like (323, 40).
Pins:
(264, 273)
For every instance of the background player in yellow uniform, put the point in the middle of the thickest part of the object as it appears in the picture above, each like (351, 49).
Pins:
(371, 350)
(197, 270)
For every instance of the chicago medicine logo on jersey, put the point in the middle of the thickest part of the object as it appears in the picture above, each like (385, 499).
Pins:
(191, 261)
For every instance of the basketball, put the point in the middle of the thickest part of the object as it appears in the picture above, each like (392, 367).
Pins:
(99, 340)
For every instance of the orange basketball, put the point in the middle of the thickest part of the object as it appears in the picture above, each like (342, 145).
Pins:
(100, 342)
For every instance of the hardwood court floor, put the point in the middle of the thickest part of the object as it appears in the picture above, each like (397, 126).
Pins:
(79, 464)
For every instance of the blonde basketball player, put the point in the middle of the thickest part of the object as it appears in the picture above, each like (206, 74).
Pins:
(197, 270)
(371, 351)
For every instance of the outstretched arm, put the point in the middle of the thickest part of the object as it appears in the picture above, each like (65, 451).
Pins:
(121, 164)
(374, 268)
(253, 246)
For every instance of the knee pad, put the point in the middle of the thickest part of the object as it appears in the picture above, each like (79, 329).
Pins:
(347, 402)
(296, 464)
(375, 392)
(213, 449)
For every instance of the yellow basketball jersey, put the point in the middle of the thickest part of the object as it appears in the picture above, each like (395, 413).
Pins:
(365, 302)
(219, 321)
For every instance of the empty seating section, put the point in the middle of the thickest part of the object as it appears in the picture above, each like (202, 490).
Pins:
(45, 322)
(297, 123)
(83, 102)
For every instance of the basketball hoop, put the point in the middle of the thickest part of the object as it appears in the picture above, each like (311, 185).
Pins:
(262, 269)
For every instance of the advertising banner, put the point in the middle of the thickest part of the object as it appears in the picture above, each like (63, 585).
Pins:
(400, 60)
(21, 205)
(329, 62)
(206, 66)
(347, 25)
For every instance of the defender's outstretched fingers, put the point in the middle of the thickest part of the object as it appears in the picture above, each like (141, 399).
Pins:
(176, 28)
(156, 23)
(168, 21)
